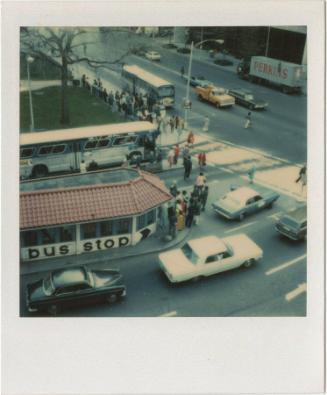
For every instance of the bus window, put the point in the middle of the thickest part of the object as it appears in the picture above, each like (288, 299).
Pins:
(26, 152)
(91, 144)
(45, 150)
(103, 143)
(119, 141)
(58, 149)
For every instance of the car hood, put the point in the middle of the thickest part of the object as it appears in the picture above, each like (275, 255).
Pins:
(35, 291)
(175, 262)
(243, 245)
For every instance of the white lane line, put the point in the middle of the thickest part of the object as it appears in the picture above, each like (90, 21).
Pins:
(296, 292)
(285, 265)
(275, 216)
(170, 314)
(240, 227)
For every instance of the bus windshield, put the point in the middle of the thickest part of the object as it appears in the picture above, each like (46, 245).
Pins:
(165, 91)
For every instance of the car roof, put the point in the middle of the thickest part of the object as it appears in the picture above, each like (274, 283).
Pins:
(72, 276)
(208, 245)
(241, 90)
(298, 213)
(243, 194)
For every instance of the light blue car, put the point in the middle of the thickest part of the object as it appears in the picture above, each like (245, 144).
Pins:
(243, 201)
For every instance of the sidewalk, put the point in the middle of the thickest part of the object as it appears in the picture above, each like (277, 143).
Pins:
(155, 243)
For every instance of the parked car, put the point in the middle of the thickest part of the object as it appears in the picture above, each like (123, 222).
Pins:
(198, 81)
(293, 223)
(153, 55)
(243, 201)
(245, 98)
(68, 287)
(207, 256)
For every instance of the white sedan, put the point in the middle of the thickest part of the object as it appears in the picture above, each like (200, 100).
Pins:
(153, 55)
(209, 255)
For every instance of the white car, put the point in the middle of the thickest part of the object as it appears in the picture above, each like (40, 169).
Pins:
(209, 255)
(153, 55)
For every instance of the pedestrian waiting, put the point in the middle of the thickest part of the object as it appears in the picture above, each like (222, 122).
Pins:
(202, 160)
(173, 189)
(190, 138)
(171, 156)
(187, 162)
(251, 174)
(176, 153)
(204, 197)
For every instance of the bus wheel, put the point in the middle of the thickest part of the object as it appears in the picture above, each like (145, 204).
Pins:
(135, 156)
(40, 171)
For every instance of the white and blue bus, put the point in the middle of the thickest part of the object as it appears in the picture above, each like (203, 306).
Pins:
(43, 153)
(142, 81)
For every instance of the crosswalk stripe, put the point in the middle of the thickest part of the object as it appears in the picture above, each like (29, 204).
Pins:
(285, 265)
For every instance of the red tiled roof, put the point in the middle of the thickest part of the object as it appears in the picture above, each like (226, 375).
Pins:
(78, 204)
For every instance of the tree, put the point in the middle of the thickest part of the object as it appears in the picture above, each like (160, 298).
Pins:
(67, 47)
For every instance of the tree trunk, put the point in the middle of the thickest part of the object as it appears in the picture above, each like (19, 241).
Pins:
(64, 120)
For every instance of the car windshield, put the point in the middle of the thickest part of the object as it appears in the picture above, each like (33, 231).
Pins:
(189, 253)
(249, 97)
(288, 221)
(166, 91)
(48, 286)
(219, 92)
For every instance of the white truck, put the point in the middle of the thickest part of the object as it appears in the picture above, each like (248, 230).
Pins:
(288, 76)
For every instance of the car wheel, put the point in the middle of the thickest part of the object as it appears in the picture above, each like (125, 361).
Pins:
(270, 205)
(196, 279)
(112, 298)
(53, 309)
(200, 97)
(251, 107)
(218, 105)
(241, 216)
(248, 263)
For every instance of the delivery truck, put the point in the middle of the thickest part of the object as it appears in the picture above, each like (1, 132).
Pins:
(285, 75)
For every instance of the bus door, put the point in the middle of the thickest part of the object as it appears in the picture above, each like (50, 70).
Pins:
(127, 146)
(76, 157)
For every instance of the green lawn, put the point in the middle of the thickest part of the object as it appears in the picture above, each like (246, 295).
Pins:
(84, 109)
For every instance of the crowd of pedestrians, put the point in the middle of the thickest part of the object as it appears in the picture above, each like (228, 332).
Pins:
(143, 107)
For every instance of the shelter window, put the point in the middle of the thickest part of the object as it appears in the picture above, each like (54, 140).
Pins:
(123, 226)
(29, 238)
(48, 236)
(106, 228)
(66, 233)
(89, 231)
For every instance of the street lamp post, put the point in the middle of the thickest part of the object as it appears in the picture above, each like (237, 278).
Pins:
(30, 60)
(187, 98)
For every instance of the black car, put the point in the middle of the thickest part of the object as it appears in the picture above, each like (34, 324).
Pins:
(293, 224)
(68, 287)
(246, 98)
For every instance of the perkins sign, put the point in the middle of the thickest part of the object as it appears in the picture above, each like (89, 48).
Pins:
(57, 250)
(268, 69)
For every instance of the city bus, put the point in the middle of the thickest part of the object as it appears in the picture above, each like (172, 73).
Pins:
(43, 153)
(142, 82)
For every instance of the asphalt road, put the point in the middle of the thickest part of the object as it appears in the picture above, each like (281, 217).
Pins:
(267, 289)
(280, 131)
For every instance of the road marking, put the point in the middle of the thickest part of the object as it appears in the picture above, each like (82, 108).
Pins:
(285, 265)
(275, 216)
(240, 227)
(170, 314)
(296, 292)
